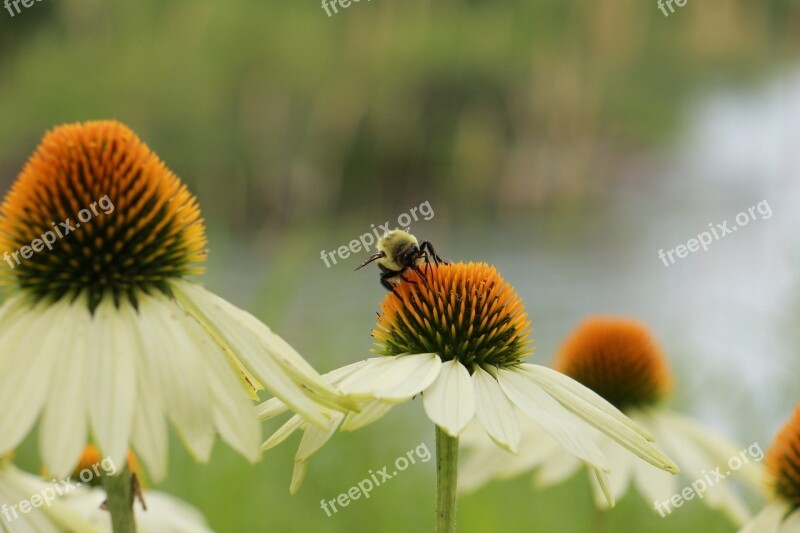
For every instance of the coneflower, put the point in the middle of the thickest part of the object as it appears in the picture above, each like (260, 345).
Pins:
(29, 503)
(620, 360)
(163, 512)
(782, 512)
(457, 334)
(101, 331)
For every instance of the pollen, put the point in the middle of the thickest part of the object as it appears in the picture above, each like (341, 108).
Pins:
(95, 212)
(459, 311)
(783, 462)
(618, 359)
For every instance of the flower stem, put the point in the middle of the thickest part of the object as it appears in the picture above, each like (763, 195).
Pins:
(119, 491)
(446, 478)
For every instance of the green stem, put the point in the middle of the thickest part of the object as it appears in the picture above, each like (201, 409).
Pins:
(446, 478)
(120, 501)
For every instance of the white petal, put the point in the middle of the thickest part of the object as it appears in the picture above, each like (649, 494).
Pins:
(149, 433)
(717, 447)
(171, 359)
(556, 470)
(599, 413)
(768, 520)
(275, 406)
(480, 466)
(652, 483)
(550, 379)
(234, 415)
(27, 366)
(494, 410)
(313, 440)
(536, 448)
(270, 409)
(64, 425)
(450, 400)
(394, 379)
(601, 478)
(57, 517)
(284, 432)
(551, 416)
(485, 460)
(696, 463)
(791, 524)
(164, 513)
(298, 476)
(253, 347)
(370, 412)
(335, 376)
(361, 380)
(620, 463)
(112, 378)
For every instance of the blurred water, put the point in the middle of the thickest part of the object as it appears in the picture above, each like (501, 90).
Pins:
(727, 316)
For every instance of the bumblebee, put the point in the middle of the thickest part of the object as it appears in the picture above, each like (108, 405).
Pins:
(399, 251)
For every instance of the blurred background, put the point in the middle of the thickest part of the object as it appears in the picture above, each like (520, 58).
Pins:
(566, 142)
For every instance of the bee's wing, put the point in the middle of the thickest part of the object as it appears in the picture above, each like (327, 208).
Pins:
(370, 259)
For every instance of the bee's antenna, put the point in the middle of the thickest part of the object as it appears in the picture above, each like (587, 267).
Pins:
(370, 259)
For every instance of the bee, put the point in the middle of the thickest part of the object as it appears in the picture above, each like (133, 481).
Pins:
(399, 251)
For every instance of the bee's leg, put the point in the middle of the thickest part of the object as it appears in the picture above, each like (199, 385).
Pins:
(427, 247)
(423, 275)
(425, 256)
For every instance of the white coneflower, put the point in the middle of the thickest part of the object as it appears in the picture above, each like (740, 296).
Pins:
(782, 512)
(30, 505)
(163, 513)
(102, 333)
(456, 334)
(620, 360)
